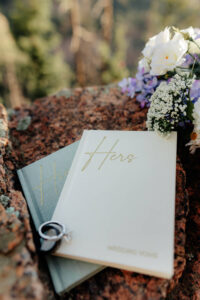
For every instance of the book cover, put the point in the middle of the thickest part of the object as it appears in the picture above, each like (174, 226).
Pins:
(119, 201)
(42, 182)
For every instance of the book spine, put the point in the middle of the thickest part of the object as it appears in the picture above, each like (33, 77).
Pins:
(31, 203)
(53, 268)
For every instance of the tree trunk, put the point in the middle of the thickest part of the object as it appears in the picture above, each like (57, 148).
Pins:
(107, 20)
(15, 95)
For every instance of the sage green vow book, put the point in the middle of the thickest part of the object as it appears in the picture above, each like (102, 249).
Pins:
(42, 183)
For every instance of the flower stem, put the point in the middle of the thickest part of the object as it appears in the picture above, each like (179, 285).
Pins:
(193, 66)
(192, 56)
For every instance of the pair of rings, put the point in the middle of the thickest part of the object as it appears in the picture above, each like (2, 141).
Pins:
(59, 230)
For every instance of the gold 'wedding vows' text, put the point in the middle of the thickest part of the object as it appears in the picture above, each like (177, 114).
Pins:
(111, 155)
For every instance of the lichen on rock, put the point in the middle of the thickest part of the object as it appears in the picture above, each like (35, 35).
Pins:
(16, 258)
(24, 123)
(4, 200)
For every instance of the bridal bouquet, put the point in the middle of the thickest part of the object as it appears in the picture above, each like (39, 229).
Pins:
(167, 82)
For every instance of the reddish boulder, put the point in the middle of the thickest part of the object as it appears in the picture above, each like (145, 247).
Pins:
(57, 121)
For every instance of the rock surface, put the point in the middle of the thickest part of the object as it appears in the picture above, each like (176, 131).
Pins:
(189, 283)
(59, 120)
(18, 266)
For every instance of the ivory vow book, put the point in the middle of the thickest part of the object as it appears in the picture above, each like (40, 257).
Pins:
(119, 201)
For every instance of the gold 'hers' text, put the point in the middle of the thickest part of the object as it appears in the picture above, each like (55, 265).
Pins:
(107, 155)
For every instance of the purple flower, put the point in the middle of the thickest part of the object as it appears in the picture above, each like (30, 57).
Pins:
(128, 85)
(142, 86)
(124, 84)
(188, 61)
(195, 91)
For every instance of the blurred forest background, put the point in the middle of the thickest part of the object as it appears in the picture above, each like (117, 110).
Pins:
(47, 45)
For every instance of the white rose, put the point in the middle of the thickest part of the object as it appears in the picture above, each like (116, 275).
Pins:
(149, 47)
(194, 48)
(196, 32)
(163, 37)
(169, 55)
(143, 64)
(155, 41)
(193, 32)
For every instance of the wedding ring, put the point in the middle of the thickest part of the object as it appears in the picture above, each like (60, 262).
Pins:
(59, 227)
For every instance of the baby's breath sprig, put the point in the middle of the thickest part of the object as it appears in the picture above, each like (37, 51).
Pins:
(170, 105)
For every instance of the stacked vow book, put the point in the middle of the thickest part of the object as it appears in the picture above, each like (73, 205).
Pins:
(115, 190)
